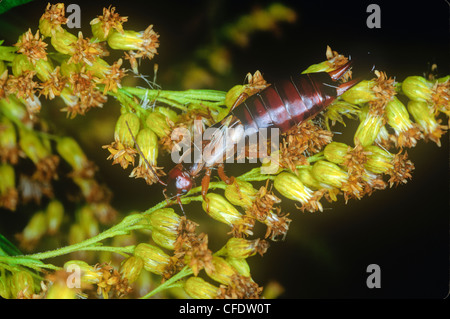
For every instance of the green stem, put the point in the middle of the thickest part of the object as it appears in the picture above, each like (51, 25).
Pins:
(172, 282)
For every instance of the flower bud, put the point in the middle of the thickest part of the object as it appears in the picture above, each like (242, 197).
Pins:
(290, 186)
(87, 221)
(7, 178)
(397, 115)
(63, 42)
(155, 260)
(121, 132)
(131, 268)
(67, 69)
(241, 193)
(32, 145)
(368, 129)
(329, 173)
(44, 69)
(335, 152)
(14, 109)
(157, 122)
(378, 161)
(417, 88)
(55, 215)
(241, 265)
(165, 221)
(35, 229)
(5, 291)
(233, 94)
(99, 32)
(99, 68)
(148, 142)
(3, 67)
(306, 177)
(89, 274)
(360, 93)
(168, 112)
(71, 152)
(221, 210)
(243, 248)
(221, 271)
(198, 288)
(76, 234)
(424, 117)
(51, 20)
(126, 40)
(21, 64)
(21, 284)
(164, 240)
(60, 290)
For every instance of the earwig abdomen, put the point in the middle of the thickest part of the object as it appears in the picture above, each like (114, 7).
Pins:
(287, 103)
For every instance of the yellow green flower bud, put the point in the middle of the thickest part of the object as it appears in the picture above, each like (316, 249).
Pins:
(63, 42)
(21, 283)
(335, 152)
(155, 259)
(397, 115)
(71, 152)
(157, 122)
(379, 161)
(99, 67)
(306, 177)
(417, 88)
(198, 288)
(50, 24)
(126, 40)
(55, 215)
(32, 145)
(233, 94)
(241, 265)
(88, 273)
(165, 221)
(148, 142)
(243, 248)
(423, 115)
(121, 132)
(329, 173)
(98, 32)
(241, 193)
(361, 93)
(67, 69)
(21, 64)
(44, 69)
(221, 210)
(7, 178)
(221, 271)
(164, 240)
(324, 66)
(87, 221)
(3, 67)
(60, 290)
(5, 291)
(131, 268)
(368, 129)
(169, 113)
(14, 109)
(290, 186)
(76, 234)
(35, 229)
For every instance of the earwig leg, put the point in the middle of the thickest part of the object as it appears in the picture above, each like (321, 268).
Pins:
(241, 98)
(181, 205)
(205, 186)
(223, 176)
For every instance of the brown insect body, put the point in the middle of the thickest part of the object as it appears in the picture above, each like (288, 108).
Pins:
(282, 105)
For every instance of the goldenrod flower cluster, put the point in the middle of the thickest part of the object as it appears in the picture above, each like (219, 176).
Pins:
(160, 250)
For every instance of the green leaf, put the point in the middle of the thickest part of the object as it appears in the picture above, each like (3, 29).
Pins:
(6, 5)
(7, 248)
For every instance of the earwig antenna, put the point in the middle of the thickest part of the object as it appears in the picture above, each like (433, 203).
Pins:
(145, 159)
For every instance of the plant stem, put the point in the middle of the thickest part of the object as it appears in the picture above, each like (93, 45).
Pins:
(186, 271)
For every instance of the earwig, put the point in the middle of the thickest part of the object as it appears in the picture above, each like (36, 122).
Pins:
(281, 105)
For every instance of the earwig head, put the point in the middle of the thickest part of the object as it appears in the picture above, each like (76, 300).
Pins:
(179, 181)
